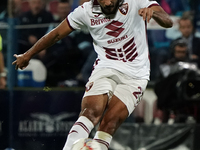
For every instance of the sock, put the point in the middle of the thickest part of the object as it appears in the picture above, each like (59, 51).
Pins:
(81, 129)
(103, 139)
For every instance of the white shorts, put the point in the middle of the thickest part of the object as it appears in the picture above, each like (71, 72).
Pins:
(111, 81)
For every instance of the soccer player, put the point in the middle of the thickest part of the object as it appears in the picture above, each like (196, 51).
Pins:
(122, 68)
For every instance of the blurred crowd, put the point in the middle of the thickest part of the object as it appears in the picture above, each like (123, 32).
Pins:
(70, 59)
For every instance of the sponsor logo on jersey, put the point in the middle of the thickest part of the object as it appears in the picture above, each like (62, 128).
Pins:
(117, 40)
(115, 27)
(128, 52)
(99, 21)
(97, 15)
(124, 8)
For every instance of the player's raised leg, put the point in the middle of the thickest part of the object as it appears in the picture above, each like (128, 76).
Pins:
(126, 97)
(92, 109)
(114, 116)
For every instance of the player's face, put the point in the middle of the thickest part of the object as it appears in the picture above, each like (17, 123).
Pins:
(109, 6)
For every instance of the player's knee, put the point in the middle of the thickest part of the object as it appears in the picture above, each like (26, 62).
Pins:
(94, 114)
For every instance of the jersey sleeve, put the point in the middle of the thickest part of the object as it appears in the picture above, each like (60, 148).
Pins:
(146, 3)
(76, 19)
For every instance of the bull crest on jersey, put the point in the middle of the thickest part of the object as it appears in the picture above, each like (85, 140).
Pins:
(124, 9)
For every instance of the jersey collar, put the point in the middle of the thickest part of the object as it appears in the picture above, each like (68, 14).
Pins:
(96, 8)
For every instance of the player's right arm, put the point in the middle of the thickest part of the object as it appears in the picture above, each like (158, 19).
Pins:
(158, 14)
(62, 30)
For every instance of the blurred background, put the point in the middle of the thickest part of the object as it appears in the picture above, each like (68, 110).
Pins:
(39, 104)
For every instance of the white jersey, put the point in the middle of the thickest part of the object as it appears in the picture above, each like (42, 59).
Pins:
(120, 39)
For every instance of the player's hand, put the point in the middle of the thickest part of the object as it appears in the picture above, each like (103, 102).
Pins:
(146, 13)
(20, 61)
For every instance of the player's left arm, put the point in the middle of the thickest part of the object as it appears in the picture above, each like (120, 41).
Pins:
(158, 14)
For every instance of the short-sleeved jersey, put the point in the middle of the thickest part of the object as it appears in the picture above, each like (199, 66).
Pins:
(119, 39)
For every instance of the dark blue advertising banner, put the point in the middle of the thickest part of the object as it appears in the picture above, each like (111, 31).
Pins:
(41, 120)
(39, 117)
